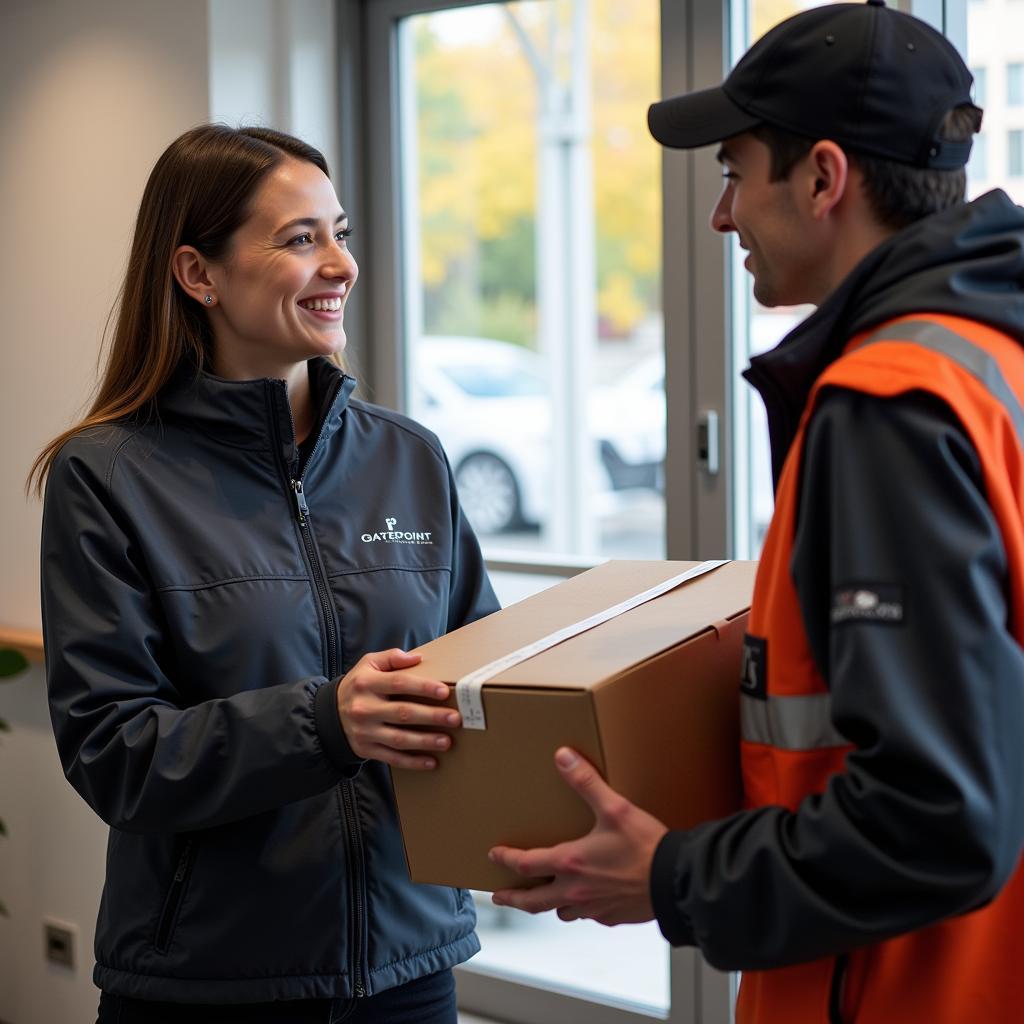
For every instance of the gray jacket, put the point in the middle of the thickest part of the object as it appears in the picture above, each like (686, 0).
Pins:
(205, 585)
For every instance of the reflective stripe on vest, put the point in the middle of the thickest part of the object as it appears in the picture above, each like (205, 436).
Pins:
(801, 722)
(976, 361)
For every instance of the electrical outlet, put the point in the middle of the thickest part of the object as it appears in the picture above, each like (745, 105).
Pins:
(59, 942)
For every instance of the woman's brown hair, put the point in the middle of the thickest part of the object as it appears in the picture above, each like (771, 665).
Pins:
(198, 194)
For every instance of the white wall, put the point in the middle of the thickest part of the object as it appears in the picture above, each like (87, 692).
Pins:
(272, 62)
(90, 93)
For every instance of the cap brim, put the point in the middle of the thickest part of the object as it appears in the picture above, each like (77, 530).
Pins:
(698, 119)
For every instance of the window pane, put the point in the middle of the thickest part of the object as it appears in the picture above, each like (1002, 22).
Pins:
(531, 231)
(755, 328)
(1014, 84)
(997, 160)
(1015, 147)
(980, 85)
(531, 240)
(977, 167)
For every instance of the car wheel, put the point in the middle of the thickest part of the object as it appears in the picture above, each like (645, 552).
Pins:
(488, 492)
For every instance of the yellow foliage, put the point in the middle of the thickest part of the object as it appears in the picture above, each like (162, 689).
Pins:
(478, 147)
(619, 303)
(767, 14)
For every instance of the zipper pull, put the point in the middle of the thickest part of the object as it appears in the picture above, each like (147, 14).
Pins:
(300, 502)
(179, 874)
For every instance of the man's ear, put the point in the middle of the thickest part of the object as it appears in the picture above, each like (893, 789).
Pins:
(827, 176)
(192, 272)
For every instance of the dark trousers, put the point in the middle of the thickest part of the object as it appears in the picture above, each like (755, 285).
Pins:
(429, 1000)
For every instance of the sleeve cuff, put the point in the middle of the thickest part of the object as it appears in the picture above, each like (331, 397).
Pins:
(674, 924)
(328, 728)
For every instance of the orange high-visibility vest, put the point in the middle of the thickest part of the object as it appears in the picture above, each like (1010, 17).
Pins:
(964, 969)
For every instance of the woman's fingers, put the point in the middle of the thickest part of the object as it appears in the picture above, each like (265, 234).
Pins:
(401, 759)
(419, 715)
(411, 739)
(380, 724)
(389, 661)
(402, 684)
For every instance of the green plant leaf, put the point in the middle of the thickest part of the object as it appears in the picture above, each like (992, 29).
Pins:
(11, 663)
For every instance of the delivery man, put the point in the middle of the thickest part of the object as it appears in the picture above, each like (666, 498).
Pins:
(875, 873)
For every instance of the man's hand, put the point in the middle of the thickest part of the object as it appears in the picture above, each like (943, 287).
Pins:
(605, 875)
(380, 725)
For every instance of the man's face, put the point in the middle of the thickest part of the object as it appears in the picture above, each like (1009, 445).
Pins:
(766, 218)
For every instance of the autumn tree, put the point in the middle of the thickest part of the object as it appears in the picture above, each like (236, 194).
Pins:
(476, 113)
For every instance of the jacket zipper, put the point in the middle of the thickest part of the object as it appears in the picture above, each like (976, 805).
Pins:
(835, 995)
(353, 835)
(173, 901)
(318, 577)
(357, 882)
(352, 831)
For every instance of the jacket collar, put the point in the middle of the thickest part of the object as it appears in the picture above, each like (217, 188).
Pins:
(254, 414)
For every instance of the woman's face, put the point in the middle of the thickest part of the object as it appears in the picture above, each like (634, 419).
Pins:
(281, 291)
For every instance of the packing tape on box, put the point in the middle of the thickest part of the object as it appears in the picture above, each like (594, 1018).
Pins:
(469, 689)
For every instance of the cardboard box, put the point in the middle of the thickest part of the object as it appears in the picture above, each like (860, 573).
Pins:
(651, 697)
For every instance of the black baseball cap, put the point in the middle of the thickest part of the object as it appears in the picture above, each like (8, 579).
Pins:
(875, 80)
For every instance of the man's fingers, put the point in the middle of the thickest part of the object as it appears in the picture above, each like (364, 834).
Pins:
(533, 901)
(539, 863)
(584, 778)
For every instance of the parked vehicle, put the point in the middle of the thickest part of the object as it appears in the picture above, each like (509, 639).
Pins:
(627, 418)
(489, 402)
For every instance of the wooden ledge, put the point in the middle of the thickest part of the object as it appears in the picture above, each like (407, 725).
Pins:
(26, 642)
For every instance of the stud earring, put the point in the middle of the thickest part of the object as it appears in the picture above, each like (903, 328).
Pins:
(208, 300)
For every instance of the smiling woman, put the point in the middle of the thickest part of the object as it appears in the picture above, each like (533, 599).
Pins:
(212, 583)
(278, 297)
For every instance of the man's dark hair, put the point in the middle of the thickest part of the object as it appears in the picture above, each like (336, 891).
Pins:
(898, 193)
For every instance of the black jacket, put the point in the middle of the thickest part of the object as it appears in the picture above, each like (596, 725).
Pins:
(928, 818)
(198, 611)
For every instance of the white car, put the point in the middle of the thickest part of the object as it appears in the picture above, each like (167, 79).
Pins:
(628, 420)
(489, 402)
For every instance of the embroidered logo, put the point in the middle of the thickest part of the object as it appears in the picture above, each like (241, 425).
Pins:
(869, 602)
(754, 673)
(393, 536)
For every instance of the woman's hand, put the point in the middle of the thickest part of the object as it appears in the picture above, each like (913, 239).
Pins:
(380, 725)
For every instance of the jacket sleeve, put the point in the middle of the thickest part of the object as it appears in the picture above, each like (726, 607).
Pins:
(927, 820)
(471, 596)
(128, 742)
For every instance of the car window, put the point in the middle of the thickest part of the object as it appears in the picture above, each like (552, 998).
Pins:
(495, 381)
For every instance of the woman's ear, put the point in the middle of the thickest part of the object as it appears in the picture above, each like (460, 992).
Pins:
(191, 271)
